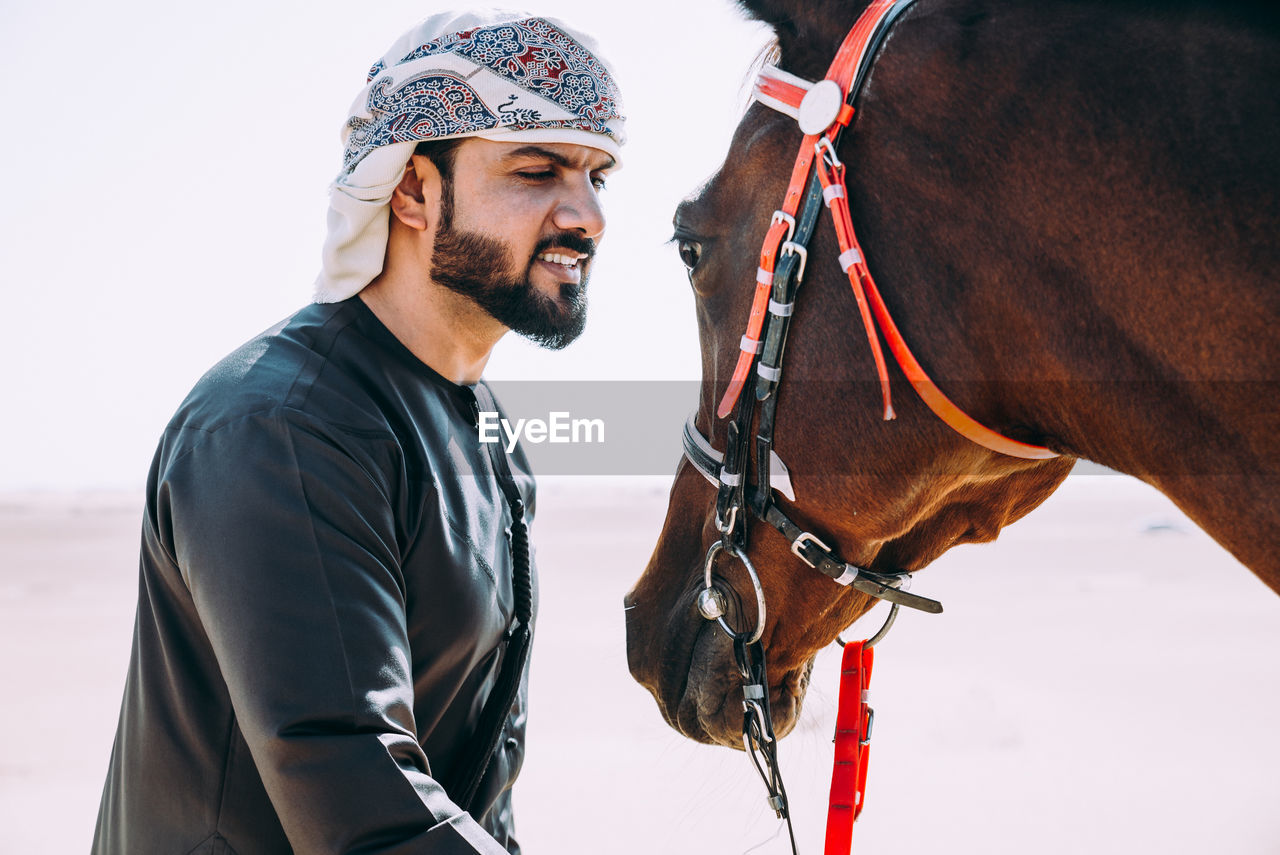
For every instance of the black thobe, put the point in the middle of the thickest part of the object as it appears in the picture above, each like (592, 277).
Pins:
(325, 587)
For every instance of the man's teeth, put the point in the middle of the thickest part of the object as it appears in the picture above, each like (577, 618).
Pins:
(565, 260)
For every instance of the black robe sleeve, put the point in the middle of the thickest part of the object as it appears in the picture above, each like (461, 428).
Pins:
(284, 532)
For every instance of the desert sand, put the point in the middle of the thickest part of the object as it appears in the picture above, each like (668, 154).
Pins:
(1105, 679)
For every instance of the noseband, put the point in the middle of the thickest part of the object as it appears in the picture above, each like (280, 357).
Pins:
(805, 545)
(823, 110)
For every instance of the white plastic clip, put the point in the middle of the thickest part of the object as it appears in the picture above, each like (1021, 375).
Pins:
(848, 258)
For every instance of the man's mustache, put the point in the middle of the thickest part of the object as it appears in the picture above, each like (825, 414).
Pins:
(567, 240)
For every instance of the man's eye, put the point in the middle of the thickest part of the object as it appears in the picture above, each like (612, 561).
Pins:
(690, 252)
(541, 175)
(598, 182)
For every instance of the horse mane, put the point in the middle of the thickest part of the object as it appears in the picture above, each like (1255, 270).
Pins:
(810, 31)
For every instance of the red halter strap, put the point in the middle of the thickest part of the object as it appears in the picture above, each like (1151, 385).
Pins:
(822, 117)
(853, 737)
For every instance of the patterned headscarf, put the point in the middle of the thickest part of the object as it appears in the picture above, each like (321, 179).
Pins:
(502, 76)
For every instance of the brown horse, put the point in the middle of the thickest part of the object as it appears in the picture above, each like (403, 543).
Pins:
(1072, 209)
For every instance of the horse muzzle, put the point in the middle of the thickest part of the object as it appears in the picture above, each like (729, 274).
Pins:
(686, 663)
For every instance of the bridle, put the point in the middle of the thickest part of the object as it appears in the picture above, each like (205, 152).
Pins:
(823, 110)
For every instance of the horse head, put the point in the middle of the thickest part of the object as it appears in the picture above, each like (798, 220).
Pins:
(887, 496)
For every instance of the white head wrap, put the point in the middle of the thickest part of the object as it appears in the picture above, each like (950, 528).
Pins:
(502, 76)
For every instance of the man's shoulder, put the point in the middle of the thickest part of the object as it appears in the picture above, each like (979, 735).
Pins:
(307, 363)
(331, 371)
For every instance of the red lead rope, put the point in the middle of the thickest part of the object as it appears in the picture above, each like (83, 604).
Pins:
(853, 735)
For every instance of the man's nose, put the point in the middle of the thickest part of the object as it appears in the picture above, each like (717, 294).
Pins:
(580, 210)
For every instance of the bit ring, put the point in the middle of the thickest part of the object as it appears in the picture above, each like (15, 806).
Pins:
(755, 584)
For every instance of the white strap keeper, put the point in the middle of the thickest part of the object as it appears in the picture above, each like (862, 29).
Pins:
(781, 310)
(770, 374)
(764, 277)
(750, 345)
(848, 258)
(835, 191)
(729, 479)
(850, 573)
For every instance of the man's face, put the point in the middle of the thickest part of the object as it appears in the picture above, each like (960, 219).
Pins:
(519, 225)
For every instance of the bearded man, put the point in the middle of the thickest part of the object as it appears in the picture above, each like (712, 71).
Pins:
(336, 596)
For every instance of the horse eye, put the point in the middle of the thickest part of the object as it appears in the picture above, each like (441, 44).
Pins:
(690, 252)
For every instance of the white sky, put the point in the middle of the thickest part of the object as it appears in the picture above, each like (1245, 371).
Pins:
(166, 173)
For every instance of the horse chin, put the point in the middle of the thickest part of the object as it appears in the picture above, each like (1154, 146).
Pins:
(687, 664)
(710, 709)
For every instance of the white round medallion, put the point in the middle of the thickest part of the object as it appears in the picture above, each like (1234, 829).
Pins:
(820, 107)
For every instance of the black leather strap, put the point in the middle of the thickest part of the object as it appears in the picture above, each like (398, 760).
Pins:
(497, 707)
(701, 453)
(821, 558)
(786, 284)
(808, 548)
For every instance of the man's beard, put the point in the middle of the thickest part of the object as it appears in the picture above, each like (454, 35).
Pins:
(482, 268)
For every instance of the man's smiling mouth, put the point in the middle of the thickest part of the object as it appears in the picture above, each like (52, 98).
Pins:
(564, 259)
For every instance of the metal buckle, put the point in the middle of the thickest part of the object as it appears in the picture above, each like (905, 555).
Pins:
(807, 537)
(825, 150)
(792, 248)
(727, 529)
(784, 217)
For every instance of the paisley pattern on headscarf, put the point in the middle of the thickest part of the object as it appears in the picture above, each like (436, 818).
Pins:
(532, 55)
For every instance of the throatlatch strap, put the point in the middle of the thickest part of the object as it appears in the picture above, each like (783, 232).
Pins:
(853, 735)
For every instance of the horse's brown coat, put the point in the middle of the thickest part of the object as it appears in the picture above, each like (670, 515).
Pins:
(1072, 211)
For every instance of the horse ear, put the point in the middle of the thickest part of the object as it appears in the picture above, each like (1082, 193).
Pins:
(809, 33)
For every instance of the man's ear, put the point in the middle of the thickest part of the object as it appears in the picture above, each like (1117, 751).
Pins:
(416, 199)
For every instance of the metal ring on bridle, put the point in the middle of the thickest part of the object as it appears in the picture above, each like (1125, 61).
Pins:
(880, 633)
(755, 583)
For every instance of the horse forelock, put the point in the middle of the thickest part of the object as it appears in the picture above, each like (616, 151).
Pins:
(808, 31)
